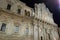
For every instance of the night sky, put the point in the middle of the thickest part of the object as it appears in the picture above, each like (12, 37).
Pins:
(51, 4)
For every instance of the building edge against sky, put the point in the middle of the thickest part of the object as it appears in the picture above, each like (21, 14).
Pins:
(20, 21)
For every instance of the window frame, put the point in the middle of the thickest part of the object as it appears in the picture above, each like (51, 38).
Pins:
(3, 27)
(16, 29)
(19, 10)
(27, 31)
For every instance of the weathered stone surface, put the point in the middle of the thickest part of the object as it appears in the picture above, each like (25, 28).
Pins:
(38, 25)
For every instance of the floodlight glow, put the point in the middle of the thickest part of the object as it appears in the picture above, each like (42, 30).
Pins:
(59, 1)
(59, 4)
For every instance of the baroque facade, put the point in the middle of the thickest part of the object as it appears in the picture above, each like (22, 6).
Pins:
(20, 22)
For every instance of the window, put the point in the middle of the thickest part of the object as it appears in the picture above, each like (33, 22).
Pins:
(9, 6)
(49, 36)
(3, 27)
(19, 11)
(16, 29)
(27, 13)
(41, 38)
(27, 31)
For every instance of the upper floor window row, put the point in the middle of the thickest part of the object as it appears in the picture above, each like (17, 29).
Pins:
(9, 8)
(27, 13)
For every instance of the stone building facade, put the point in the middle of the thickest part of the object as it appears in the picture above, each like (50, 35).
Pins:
(47, 25)
(20, 22)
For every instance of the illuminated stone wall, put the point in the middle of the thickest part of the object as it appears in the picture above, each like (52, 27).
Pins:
(49, 30)
(38, 25)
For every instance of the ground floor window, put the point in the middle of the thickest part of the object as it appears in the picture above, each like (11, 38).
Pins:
(3, 27)
(16, 29)
(49, 36)
(41, 38)
(27, 31)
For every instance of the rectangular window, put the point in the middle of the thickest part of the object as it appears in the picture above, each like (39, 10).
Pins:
(16, 29)
(3, 27)
(9, 6)
(19, 11)
(27, 31)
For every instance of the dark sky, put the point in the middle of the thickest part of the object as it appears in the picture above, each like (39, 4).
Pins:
(51, 4)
